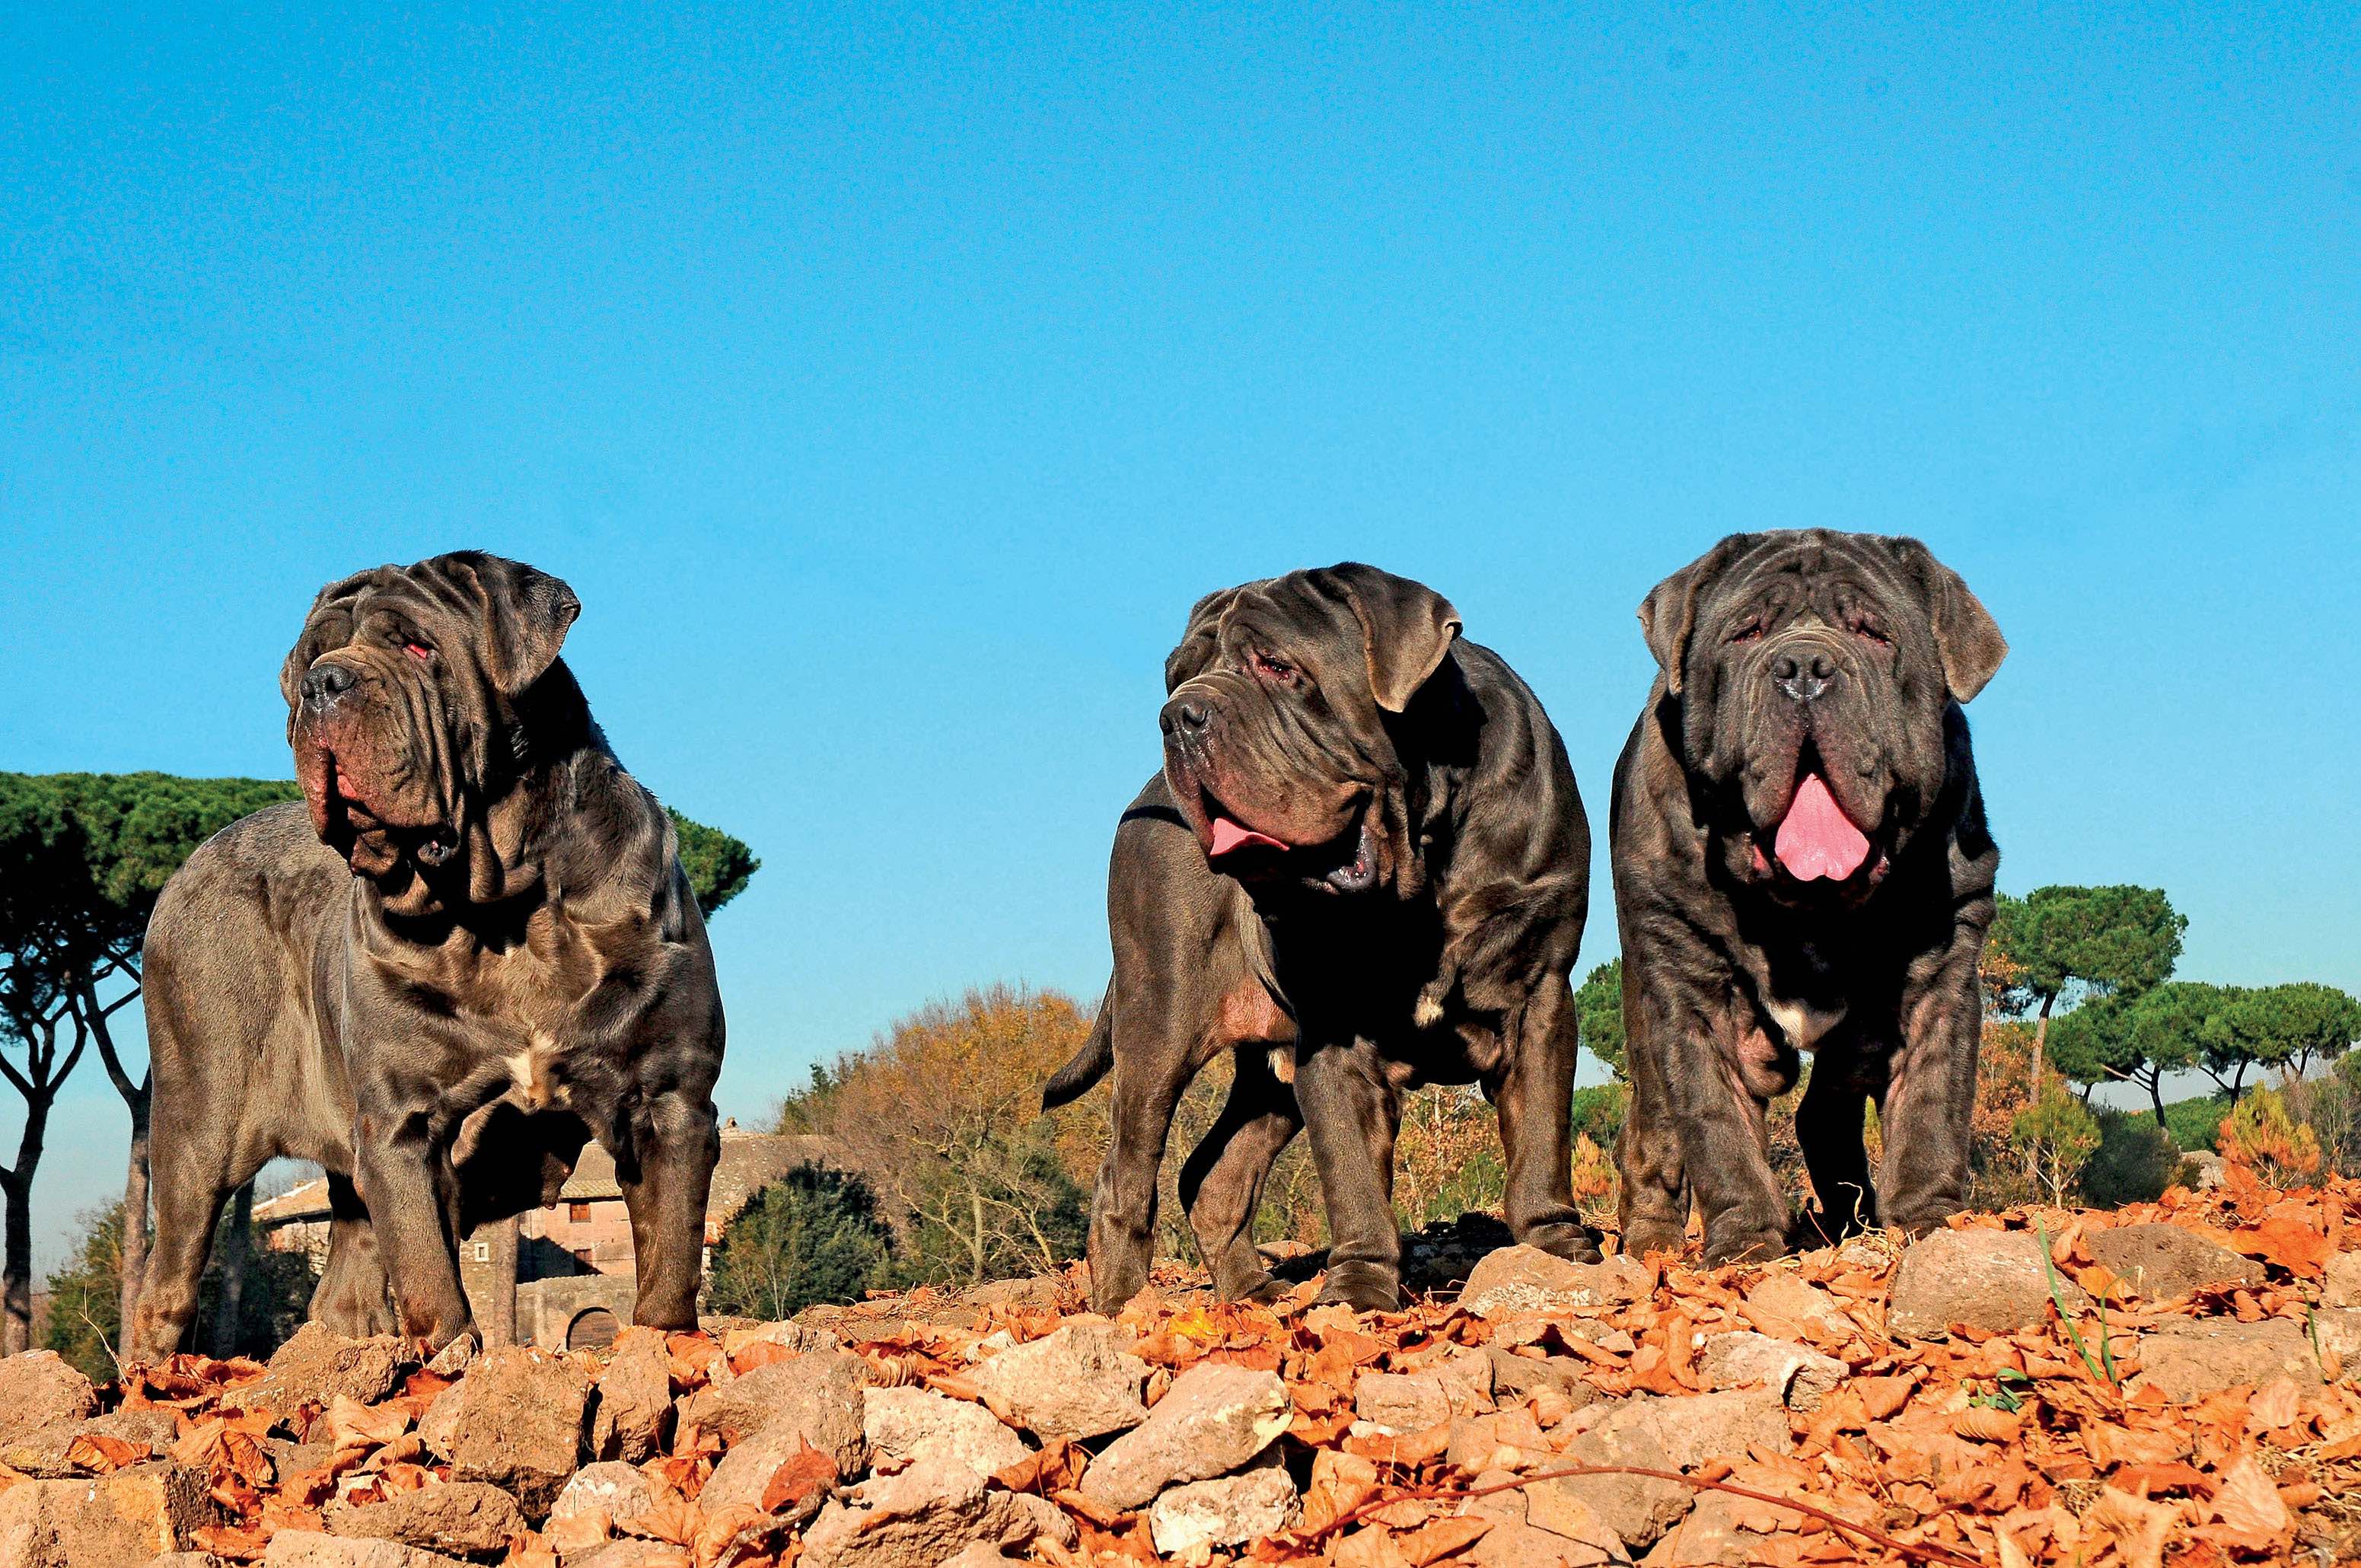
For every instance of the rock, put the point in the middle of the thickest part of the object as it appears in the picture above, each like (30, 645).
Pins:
(2186, 1361)
(43, 1455)
(1517, 1376)
(745, 1471)
(906, 1425)
(1710, 1535)
(185, 1560)
(127, 1516)
(1081, 1382)
(438, 1429)
(1799, 1375)
(2336, 1330)
(309, 1549)
(41, 1388)
(2341, 1286)
(924, 1515)
(522, 1421)
(1562, 1529)
(798, 1337)
(1038, 1294)
(1807, 1307)
(630, 1553)
(1225, 1511)
(1214, 1418)
(1412, 1401)
(1526, 1280)
(2207, 1169)
(634, 1412)
(2159, 1262)
(1680, 1434)
(315, 1365)
(978, 1555)
(1995, 1280)
(461, 1519)
(1508, 1439)
(620, 1491)
(818, 1395)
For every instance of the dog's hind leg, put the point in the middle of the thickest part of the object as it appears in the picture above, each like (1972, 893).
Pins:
(352, 1299)
(1221, 1185)
(1155, 1058)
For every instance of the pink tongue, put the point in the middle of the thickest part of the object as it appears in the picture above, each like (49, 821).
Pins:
(1228, 835)
(1818, 839)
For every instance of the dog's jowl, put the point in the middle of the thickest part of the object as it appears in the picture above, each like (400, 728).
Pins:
(1364, 867)
(469, 949)
(1802, 863)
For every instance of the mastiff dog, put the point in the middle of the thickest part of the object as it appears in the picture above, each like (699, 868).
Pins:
(468, 950)
(1364, 867)
(1801, 864)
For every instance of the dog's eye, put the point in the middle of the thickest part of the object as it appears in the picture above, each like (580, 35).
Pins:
(1275, 669)
(1746, 633)
(417, 651)
(1869, 634)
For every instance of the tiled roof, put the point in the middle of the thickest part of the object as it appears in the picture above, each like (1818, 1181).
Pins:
(749, 1162)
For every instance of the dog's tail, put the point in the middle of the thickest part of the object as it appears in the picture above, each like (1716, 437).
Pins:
(1077, 1078)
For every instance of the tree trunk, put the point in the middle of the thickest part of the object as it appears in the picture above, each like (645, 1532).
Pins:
(16, 1274)
(500, 1282)
(135, 1209)
(975, 1247)
(2156, 1094)
(235, 1254)
(2033, 1086)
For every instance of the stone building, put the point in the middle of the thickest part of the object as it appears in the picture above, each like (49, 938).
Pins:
(571, 1262)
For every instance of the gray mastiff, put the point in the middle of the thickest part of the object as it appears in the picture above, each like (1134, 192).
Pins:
(1801, 864)
(470, 948)
(1364, 867)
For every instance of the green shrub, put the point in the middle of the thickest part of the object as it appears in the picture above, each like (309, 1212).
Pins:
(2135, 1162)
(2196, 1124)
(1599, 1112)
(812, 1236)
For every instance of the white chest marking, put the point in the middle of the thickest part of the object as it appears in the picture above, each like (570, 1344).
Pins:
(529, 1073)
(1803, 1025)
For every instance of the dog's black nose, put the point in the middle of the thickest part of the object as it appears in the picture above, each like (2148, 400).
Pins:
(1803, 676)
(323, 684)
(1184, 714)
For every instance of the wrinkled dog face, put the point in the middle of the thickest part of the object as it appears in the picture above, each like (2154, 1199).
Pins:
(400, 693)
(1814, 672)
(1274, 743)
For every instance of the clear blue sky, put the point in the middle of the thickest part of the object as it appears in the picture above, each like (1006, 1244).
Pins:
(888, 385)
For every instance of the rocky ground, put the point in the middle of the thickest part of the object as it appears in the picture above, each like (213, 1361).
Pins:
(2164, 1384)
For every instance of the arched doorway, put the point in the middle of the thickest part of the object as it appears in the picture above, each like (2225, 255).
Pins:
(592, 1330)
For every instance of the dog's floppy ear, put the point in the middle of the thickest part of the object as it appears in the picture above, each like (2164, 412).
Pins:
(1407, 629)
(1202, 639)
(309, 642)
(1965, 633)
(526, 613)
(1668, 615)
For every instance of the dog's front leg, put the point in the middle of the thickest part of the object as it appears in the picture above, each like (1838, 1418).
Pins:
(676, 1140)
(1533, 1095)
(1351, 1114)
(403, 1173)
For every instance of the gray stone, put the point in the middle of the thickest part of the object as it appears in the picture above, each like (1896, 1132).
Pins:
(1412, 1401)
(43, 1455)
(1995, 1280)
(315, 1367)
(1681, 1433)
(41, 1388)
(463, 1519)
(1802, 1377)
(1517, 1376)
(819, 1395)
(2341, 1286)
(620, 1491)
(634, 1413)
(127, 1516)
(1081, 1382)
(1225, 1511)
(1521, 1279)
(522, 1422)
(923, 1515)
(1214, 1418)
(310, 1549)
(2186, 1361)
(906, 1425)
(2159, 1262)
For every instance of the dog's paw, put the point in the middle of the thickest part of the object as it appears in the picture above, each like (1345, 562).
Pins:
(1364, 1287)
(1644, 1237)
(1575, 1243)
(1752, 1243)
